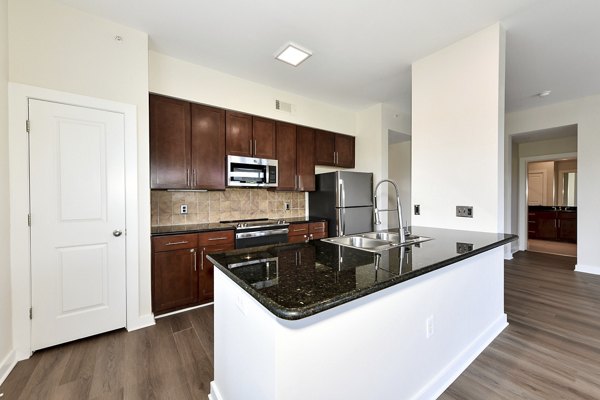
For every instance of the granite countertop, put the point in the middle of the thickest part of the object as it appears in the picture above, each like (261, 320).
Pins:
(295, 281)
(553, 208)
(304, 220)
(217, 226)
(188, 228)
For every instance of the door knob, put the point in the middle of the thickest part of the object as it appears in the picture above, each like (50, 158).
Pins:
(117, 233)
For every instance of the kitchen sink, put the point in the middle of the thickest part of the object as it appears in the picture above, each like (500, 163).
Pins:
(395, 238)
(375, 241)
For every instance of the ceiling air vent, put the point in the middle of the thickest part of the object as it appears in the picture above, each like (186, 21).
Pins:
(283, 106)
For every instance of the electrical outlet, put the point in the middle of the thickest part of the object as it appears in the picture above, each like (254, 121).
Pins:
(429, 327)
(286, 206)
(183, 209)
(417, 209)
(464, 211)
(462, 248)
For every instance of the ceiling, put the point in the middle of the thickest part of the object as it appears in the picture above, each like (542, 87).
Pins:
(363, 49)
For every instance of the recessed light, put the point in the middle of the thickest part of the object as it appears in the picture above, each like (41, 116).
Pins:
(293, 54)
(544, 93)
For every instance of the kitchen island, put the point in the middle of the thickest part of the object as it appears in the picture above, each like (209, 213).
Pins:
(323, 321)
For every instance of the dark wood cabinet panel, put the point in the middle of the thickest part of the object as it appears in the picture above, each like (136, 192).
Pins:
(305, 159)
(344, 148)
(238, 134)
(170, 143)
(334, 149)
(304, 232)
(263, 135)
(324, 148)
(211, 242)
(567, 226)
(286, 156)
(208, 147)
(174, 279)
(552, 225)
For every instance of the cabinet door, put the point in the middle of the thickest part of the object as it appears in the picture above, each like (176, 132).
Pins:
(286, 156)
(567, 226)
(170, 143)
(344, 148)
(263, 134)
(238, 128)
(208, 147)
(207, 271)
(324, 148)
(305, 159)
(174, 279)
(546, 225)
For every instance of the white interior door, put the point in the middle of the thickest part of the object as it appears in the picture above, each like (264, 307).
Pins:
(77, 179)
(536, 188)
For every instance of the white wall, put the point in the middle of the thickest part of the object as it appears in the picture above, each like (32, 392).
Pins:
(177, 78)
(584, 113)
(57, 47)
(458, 133)
(6, 343)
(399, 171)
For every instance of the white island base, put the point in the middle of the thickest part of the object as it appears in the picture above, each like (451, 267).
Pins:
(374, 347)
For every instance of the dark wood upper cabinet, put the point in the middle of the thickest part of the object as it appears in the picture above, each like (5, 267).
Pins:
(325, 148)
(334, 149)
(170, 143)
(208, 147)
(264, 138)
(286, 156)
(344, 149)
(305, 158)
(239, 134)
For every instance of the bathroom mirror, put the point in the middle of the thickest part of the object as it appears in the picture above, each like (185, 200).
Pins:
(569, 185)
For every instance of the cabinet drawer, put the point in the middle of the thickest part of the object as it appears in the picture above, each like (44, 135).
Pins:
(318, 235)
(215, 238)
(174, 242)
(317, 227)
(298, 229)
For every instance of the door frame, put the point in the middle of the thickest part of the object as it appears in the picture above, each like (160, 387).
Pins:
(523, 161)
(20, 244)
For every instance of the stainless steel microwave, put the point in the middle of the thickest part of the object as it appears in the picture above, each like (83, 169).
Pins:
(251, 172)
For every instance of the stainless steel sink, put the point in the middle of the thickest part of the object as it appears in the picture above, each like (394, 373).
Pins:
(375, 241)
(395, 238)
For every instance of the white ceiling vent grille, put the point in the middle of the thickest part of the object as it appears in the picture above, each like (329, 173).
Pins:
(283, 106)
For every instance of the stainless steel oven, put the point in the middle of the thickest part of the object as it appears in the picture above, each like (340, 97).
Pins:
(259, 232)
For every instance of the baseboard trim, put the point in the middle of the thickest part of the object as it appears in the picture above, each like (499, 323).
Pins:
(141, 322)
(7, 365)
(588, 269)
(444, 379)
(214, 392)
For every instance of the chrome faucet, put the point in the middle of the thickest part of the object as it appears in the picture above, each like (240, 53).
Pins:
(402, 231)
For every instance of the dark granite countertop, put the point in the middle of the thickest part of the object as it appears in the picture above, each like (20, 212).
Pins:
(188, 228)
(304, 220)
(552, 208)
(295, 281)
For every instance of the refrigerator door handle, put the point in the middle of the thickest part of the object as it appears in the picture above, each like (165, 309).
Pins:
(342, 194)
(341, 221)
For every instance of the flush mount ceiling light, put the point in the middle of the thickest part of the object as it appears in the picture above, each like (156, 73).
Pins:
(544, 93)
(292, 54)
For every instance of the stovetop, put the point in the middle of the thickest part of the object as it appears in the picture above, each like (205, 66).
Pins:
(256, 223)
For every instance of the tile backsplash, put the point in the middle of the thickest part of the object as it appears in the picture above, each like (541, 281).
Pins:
(231, 204)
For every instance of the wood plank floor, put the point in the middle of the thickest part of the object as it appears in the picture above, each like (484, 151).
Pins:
(551, 349)
(550, 247)
(172, 360)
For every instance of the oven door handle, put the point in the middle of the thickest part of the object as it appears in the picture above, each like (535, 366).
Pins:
(270, 232)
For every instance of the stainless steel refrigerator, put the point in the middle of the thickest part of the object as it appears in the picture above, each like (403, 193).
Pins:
(345, 199)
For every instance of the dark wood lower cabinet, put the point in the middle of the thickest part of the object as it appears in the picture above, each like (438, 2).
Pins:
(175, 279)
(182, 276)
(304, 232)
(552, 225)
